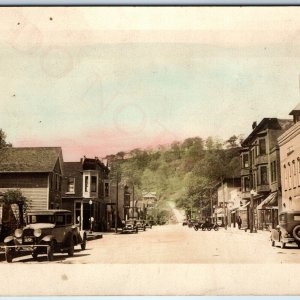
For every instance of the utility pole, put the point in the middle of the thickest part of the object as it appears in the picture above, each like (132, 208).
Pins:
(117, 205)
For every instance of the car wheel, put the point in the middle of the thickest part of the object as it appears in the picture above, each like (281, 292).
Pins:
(83, 245)
(50, 252)
(209, 229)
(8, 255)
(71, 248)
(296, 233)
(196, 228)
(282, 246)
(216, 228)
(34, 254)
(203, 228)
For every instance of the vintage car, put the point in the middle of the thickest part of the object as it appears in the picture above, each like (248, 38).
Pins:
(148, 224)
(140, 225)
(46, 232)
(130, 227)
(288, 230)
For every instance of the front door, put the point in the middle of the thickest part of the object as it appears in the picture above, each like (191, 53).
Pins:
(88, 212)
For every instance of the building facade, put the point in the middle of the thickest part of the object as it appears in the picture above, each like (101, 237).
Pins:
(36, 171)
(86, 193)
(289, 144)
(260, 171)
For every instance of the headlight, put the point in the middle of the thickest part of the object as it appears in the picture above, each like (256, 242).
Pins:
(18, 233)
(37, 232)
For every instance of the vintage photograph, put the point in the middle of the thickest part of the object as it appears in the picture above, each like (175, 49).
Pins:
(144, 147)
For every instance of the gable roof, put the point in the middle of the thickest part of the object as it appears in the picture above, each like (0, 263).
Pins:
(30, 159)
(295, 110)
(268, 123)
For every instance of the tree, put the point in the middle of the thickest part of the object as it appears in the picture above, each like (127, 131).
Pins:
(3, 143)
(11, 197)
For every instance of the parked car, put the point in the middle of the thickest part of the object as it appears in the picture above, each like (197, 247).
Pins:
(288, 230)
(185, 222)
(130, 227)
(140, 225)
(192, 222)
(209, 226)
(148, 224)
(46, 232)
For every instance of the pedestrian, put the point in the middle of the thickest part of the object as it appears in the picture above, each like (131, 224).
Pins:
(239, 222)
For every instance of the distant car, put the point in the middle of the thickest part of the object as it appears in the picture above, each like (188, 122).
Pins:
(184, 223)
(288, 230)
(148, 224)
(192, 222)
(47, 232)
(130, 227)
(140, 225)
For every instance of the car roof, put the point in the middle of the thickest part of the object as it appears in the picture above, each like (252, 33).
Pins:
(290, 212)
(48, 212)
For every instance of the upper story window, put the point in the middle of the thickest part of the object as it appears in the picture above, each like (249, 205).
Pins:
(71, 185)
(246, 184)
(273, 171)
(245, 160)
(86, 183)
(58, 185)
(262, 147)
(263, 175)
(93, 184)
(253, 156)
(106, 189)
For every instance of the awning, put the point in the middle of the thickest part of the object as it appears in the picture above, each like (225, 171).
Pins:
(244, 207)
(219, 210)
(270, 202)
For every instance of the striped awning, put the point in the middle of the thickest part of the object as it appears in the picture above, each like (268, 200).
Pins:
(270, 202)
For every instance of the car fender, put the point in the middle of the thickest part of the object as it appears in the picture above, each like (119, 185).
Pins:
(9, 239)
(47, 238)
(81, 236)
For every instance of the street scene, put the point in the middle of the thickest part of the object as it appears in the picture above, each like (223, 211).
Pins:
(133, 140)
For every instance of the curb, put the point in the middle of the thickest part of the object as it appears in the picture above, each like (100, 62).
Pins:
(94, 237)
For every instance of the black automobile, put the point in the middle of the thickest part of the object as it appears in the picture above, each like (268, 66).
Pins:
(288, 230)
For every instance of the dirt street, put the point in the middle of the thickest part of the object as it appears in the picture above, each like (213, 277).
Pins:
(175, 244)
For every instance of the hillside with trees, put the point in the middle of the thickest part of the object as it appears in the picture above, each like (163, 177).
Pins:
(183, 173)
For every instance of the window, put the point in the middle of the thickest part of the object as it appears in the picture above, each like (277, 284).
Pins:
(262, 146)
(106, 189)
(60, 220)
(50, 181)
(246, 184)
(285, 176)
(273, 171)
(253, 156)
(69, 219)
(71, 185)
(294, 175)
(290, 175)
(298, 164)
(263, 175)
(245, 160)
(94, 184)
(86, 183)
(57, 182)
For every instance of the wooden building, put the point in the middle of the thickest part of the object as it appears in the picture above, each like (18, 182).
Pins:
(36, 171)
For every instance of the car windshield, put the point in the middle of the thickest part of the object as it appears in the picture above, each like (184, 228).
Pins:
(41, 219)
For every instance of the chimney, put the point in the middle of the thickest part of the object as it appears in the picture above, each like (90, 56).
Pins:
(254, 124)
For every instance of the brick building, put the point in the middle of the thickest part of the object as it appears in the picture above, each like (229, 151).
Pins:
(260, 170)
(86, 192)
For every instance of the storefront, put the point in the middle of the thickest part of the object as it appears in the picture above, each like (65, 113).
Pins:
(267, 212)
